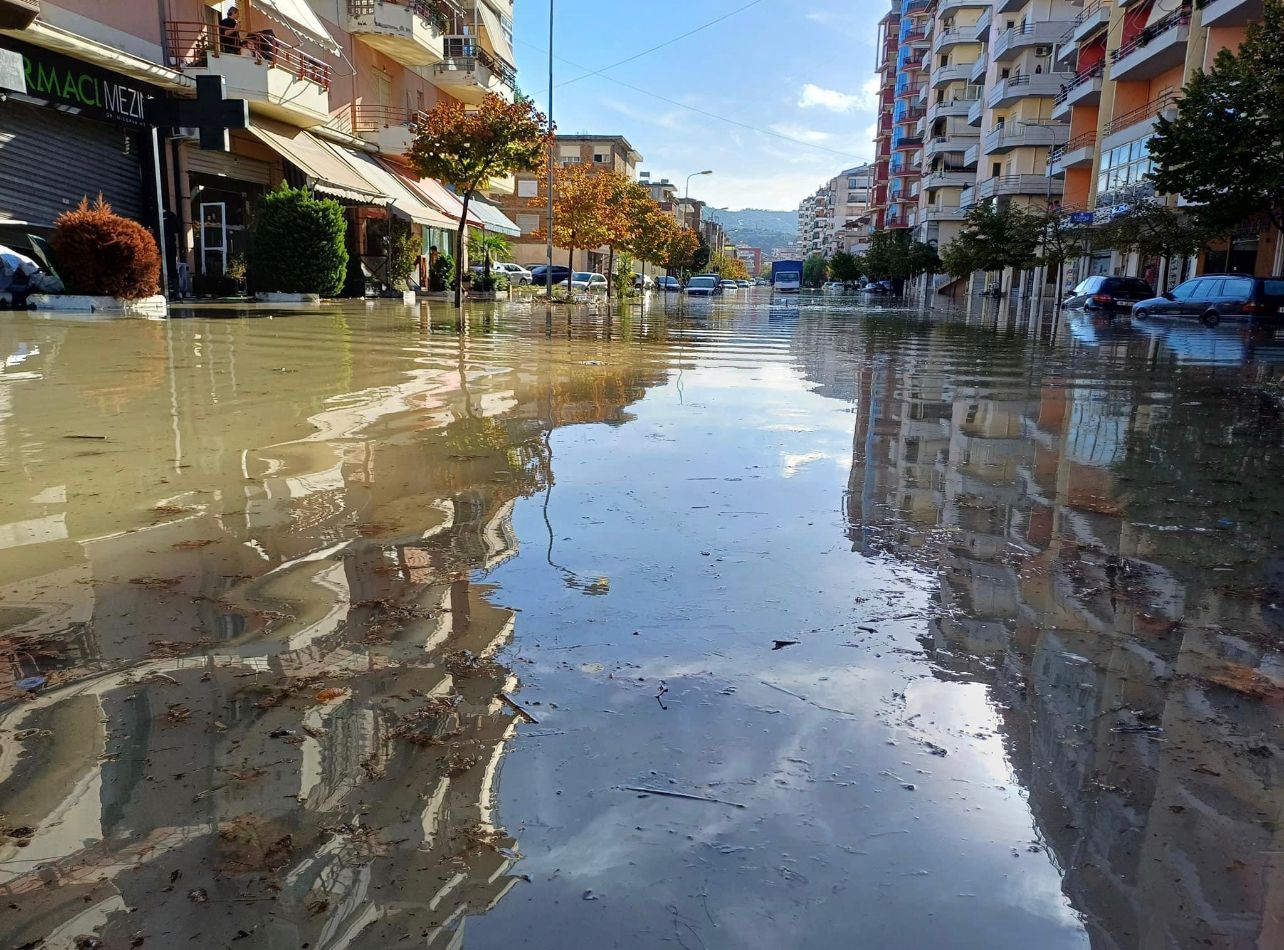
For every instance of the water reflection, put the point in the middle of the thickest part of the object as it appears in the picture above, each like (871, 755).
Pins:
(243, 573)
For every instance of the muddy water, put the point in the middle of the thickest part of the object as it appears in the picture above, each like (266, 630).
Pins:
(760, 626)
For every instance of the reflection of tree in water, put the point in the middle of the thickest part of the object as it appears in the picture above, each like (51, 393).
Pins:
(327, 778)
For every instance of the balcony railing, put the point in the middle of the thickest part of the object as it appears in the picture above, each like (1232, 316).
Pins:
(1087, 140)
(462, 52)
(193, 45)
(1078, 79)
(445, 17)
(1151, 109)
(1174, 20)
(370, 118)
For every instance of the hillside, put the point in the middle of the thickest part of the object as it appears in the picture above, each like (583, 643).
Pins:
(756, 227)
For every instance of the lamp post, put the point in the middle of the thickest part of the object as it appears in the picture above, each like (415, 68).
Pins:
(686, 197)
(548, 270)
(1052, 144)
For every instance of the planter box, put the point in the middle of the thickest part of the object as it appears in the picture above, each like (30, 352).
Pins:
(483, 295)
(409, 298)
(155, 306)
(435, 295)
(273, 297)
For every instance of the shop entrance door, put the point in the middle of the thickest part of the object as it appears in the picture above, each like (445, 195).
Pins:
(213, 238)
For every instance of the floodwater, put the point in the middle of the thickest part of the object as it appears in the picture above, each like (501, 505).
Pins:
(774, 624)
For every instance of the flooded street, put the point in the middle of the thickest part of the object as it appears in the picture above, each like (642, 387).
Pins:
(770, 624)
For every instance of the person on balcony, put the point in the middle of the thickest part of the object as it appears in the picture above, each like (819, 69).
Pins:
(229, 31)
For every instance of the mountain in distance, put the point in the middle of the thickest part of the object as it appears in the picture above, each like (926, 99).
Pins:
(757, 228)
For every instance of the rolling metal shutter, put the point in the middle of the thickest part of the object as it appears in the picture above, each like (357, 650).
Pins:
(49, 160)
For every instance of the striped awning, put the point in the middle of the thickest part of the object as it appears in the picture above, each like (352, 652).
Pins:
(325, 170)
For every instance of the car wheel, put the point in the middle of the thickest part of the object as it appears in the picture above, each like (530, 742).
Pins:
(1211, 318)
(1141, 314)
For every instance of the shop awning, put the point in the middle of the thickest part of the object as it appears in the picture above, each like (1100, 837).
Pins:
(329, 173)
(437, 195)
(294, 15)
(500, 39)
(493, 219)
(403, 197)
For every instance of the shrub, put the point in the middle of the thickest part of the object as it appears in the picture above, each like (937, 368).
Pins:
(102, 254)
(406, 249)
(299, 244)
(486, 283)
(442, 273)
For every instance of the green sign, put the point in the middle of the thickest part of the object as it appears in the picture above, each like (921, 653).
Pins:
(69, 83)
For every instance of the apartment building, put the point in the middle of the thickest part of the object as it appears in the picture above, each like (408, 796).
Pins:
(523, 206)
(840, 215)
(103, 98)
(909, 108)
(888, 44)
(1126, 64)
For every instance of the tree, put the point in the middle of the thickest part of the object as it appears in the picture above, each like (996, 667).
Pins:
(489, 247)
(994, 239)
(1154, 230)
(654, 231)
(102, 254)
(843, 266)
(683, 250)
(581, 216)
(732, 268)
(815, 270)
(703, 253)
(404, 250)
(1224, 151)
(895, 255)
(468, 148)
(299, 244)
(626, 205)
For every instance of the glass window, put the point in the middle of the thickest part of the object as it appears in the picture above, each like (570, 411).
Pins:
(527, 188)
(1241, 288)
(1273, 288)
(528, 222)
(1209, 289)
(1187, 290)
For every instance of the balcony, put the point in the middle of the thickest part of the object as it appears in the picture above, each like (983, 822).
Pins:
(949, 6)
(976, 112)
(944, 75)
(1030, 86)
(1232, 12)
(1010, 44)
(955, 108)
(1004, 138)
(952, 142)
(935, 213)
(949, 178)
(968, 197)
(1077, 153)
(1155, 50)
(1139, 122)
(1083, 89)
(1007, 186)
(1095, 16)
(977, 76)
(1009, 6)
(972, 156)
(409, 31)
(948, 39)
(276, 78)
(981, 32)
(390, 130)
(469, 73)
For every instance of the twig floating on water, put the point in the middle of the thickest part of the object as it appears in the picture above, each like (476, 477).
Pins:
(518, 709)
(667, 794)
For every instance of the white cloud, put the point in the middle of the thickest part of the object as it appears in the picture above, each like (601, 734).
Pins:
(801, 133)
(818, 97)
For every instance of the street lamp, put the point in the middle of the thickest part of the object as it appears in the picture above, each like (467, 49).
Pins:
(686, 197)
(548, 269)
(1052, 144)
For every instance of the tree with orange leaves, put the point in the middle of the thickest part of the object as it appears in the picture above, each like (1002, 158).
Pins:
(680, 255)
(468, 148)
(654, 231)
(582, 213)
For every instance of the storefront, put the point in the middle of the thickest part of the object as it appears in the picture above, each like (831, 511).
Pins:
(74, 130)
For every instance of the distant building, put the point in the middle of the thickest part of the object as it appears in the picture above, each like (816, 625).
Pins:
(840, 215)
(752, 258)
(611, 152)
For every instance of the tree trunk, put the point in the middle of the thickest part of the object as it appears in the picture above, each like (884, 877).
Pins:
(460, 258)
(570, 271)
(610, 273)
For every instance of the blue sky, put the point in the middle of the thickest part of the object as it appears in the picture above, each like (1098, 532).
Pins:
(802, 68)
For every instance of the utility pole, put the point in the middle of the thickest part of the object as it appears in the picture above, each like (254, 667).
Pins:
(548, 270)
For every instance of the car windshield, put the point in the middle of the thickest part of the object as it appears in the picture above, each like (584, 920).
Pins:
(702, 282)
(583, 276)
(1136, 286)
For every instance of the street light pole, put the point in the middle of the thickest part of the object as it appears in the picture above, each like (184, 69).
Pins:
(1047, 174)
(548, 270)
(686, 198)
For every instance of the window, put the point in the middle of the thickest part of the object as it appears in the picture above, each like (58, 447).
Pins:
(1241, 288)
(1273, 288)
(569, 152)
(1186, 291)
(527, 188)
(601, 158)
(528, 222)
(1208, 289)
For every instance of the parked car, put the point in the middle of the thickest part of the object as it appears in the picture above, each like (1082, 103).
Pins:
(1109, 295)
(744, 284)
(668, 284)
(833, 287)
(516, 273)
(1213, 298)
(593, 283)
(728, 285)
(704, 285)
(643, 282)
(560, 274)
(879, 287)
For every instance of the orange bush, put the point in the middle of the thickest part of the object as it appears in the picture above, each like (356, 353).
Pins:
(100, 253)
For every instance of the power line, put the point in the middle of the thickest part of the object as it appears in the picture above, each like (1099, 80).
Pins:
(709, 115)
(670, 42)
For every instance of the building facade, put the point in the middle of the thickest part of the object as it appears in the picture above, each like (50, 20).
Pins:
(840, 216)
(334, 88)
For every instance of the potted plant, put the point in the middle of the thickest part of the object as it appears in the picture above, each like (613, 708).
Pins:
(237, 269)
(488, 286)
(108, 263)
(299, 254)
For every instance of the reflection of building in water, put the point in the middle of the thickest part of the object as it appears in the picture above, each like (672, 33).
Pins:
(1056, 517)
(285, 720)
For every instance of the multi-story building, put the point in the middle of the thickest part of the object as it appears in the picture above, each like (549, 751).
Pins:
(908, 111)
(888, 46)
(99, 97)
(1127, 64)
(752, 258)
(525, 206)
(840, 215)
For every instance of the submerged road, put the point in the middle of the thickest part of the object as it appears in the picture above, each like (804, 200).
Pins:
(770, 623)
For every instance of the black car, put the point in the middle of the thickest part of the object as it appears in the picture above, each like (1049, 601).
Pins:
(560, 275)
(1213, 298)
(1109, 294)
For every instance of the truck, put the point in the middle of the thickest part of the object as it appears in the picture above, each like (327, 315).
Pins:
(786, 276)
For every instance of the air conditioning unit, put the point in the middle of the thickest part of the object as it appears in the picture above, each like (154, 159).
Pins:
(1043, 51)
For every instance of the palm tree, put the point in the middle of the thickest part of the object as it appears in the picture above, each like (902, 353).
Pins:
(489, 247)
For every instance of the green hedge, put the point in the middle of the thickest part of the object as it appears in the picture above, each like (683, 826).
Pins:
(299, 244)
